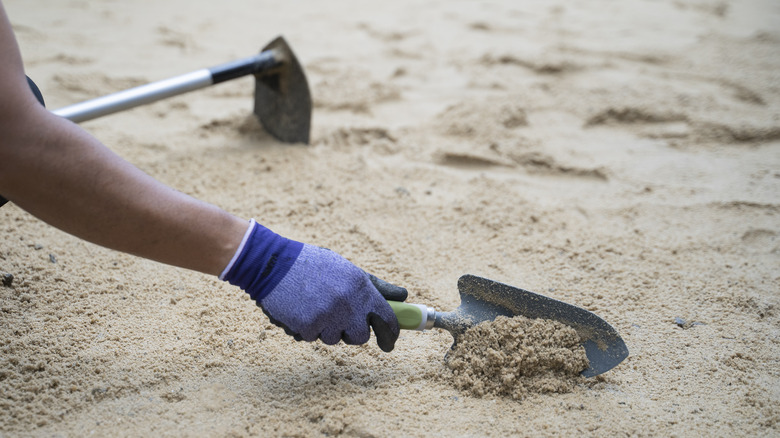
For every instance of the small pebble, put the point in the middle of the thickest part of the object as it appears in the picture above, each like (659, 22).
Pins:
(402, 191)
(686, 324)
(8, 279)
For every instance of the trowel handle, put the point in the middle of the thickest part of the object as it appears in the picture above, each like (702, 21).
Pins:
(413, 316)
(123, 100)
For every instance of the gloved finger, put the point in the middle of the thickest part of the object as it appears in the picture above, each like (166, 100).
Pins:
(277, 323)
(310, 335)
(390, 291)
(386, 333)
(357, 336)
(330, 337)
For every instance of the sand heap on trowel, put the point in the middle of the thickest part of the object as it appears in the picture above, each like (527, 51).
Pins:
(517, 356)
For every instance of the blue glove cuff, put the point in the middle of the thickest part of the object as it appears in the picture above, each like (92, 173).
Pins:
(261, 261)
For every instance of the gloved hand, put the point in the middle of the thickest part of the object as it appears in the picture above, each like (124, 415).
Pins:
(313, 292)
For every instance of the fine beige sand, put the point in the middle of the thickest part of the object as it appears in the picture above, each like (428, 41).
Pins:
(620, 156)
(516, 356)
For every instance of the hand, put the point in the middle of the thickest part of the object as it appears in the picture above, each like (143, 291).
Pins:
(311, 292)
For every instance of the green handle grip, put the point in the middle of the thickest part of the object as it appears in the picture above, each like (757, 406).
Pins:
(412, 316)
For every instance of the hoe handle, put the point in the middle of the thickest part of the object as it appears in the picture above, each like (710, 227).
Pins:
(174, 86)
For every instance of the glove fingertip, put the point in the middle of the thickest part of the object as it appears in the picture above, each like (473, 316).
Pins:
(359, 338)
(385, 334)
(388, 290)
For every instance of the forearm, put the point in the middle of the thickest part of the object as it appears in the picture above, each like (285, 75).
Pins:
(62, 175)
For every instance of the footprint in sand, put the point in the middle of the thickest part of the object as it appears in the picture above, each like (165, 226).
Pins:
(761, 241)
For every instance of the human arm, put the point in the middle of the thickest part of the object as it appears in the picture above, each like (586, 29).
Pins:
(59, 173)
(64, 176)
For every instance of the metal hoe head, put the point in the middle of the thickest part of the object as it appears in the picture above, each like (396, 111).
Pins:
(484, 300)
(282, 99)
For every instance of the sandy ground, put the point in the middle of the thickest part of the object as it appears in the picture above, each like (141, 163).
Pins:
(620, 156)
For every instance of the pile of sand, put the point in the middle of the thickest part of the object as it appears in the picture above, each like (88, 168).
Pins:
(514, 356)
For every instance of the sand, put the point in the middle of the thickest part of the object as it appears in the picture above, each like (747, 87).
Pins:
(620, 156)
(516, 356)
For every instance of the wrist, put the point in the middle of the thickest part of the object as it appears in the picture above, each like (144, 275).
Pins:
(261, 261)
(233, 231)
(238, 250)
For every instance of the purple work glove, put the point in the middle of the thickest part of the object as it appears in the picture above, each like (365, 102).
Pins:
(311, 292)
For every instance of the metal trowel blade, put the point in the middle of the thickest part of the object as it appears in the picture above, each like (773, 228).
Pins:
(484, 300)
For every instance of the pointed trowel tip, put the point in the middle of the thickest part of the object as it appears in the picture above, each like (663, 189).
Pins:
(602, 360)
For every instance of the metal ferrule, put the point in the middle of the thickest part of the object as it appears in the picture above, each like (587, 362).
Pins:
(430, 318)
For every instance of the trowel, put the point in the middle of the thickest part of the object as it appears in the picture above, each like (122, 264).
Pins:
(484, 300)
